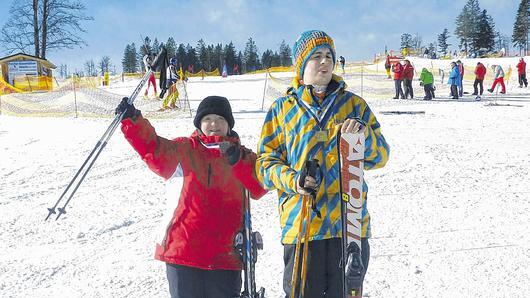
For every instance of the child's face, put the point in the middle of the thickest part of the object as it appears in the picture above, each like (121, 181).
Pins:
(319, 68)
(214, 125)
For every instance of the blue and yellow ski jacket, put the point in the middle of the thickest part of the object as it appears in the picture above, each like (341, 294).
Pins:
(300, 126)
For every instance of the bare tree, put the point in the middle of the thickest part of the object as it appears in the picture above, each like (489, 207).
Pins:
(104, 64)
(43, 25)
(90, 68)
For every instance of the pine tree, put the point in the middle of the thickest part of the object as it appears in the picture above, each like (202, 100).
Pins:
(201, 54)
(485, 41)
(129, 62)
(209, 57)
(218, 59)
(285, 54)
(266, 59)
(467, 28)
(442, 42)
(276, 60)
(182, 56)
(250, 56)
(229, 53)
(155, 48)
(240, 61)
(192, 58)
(124, 61)
(171, 47)
(521, 27)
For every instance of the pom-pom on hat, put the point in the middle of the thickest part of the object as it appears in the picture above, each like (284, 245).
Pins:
(214, 105)
(306, 45)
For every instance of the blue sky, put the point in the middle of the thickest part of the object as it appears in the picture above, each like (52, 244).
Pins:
(360, 28)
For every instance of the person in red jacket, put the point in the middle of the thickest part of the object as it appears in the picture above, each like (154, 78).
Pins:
(197, 243)
(480, 73)
(408, 75)
(521, 70)
(397, 69)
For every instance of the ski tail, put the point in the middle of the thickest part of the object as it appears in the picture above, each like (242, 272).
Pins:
(351, 156)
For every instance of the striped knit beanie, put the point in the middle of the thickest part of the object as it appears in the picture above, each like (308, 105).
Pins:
(306, 45)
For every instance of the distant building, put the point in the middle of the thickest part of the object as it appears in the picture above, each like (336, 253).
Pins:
(26, 72)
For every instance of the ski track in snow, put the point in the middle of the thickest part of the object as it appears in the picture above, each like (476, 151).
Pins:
(450, 211)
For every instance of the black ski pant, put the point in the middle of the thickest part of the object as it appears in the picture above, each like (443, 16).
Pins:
(522, 80)
(408, 88)
(480, 83)
(324, 274)
(454, 91)
(189, 282)
(429, 91)
(399, 91)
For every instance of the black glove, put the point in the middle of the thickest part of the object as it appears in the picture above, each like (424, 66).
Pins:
(233, 154)
(129, 109)
(231, 151)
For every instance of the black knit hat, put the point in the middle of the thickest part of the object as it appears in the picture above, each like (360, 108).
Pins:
(217, 105)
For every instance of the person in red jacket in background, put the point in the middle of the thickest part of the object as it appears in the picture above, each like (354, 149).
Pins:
(408, 75)
(397, 69)
(521, 70)
(197, 243)
(480, 73)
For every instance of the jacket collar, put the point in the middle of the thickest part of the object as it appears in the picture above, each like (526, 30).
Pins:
(213, 141)
(304, 93)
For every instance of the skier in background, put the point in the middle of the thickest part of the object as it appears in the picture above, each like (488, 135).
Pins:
(342, 61)
(521, 71)
(461, 71)
(170, 78)
(388, 65)
(498, 73)
(171, 84)
(304, 125)
(397, 69)
(480, 73)
(152, 80)
(197, 241)
(454, 80)
(427, 81)
(408, 75)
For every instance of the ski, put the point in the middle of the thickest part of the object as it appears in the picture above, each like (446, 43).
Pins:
(351, 156)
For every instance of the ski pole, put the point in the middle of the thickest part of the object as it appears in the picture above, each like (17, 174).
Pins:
(100, 145)
(306, 246)
(294, 276)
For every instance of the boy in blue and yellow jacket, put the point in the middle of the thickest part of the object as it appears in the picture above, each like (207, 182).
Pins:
(303, 125)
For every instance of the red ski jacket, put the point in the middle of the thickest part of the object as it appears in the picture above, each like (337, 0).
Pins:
(521, 67)
(480, 71)
(408, 71)
(397, 68)
(209, 213)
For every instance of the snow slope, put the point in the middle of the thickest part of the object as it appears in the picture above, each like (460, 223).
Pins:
(450, 211)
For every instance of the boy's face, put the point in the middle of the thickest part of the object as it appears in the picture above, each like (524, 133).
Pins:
(319, 67)
(214, 125)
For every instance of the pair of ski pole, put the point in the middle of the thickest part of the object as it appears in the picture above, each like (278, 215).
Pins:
(100, 145)
(312, 169)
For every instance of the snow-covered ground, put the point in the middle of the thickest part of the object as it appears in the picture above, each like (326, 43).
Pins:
(450, 211)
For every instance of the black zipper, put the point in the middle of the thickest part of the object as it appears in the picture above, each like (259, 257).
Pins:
(209, 173)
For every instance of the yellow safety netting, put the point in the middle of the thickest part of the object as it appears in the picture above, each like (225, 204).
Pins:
(273, 69)
(203, 73)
